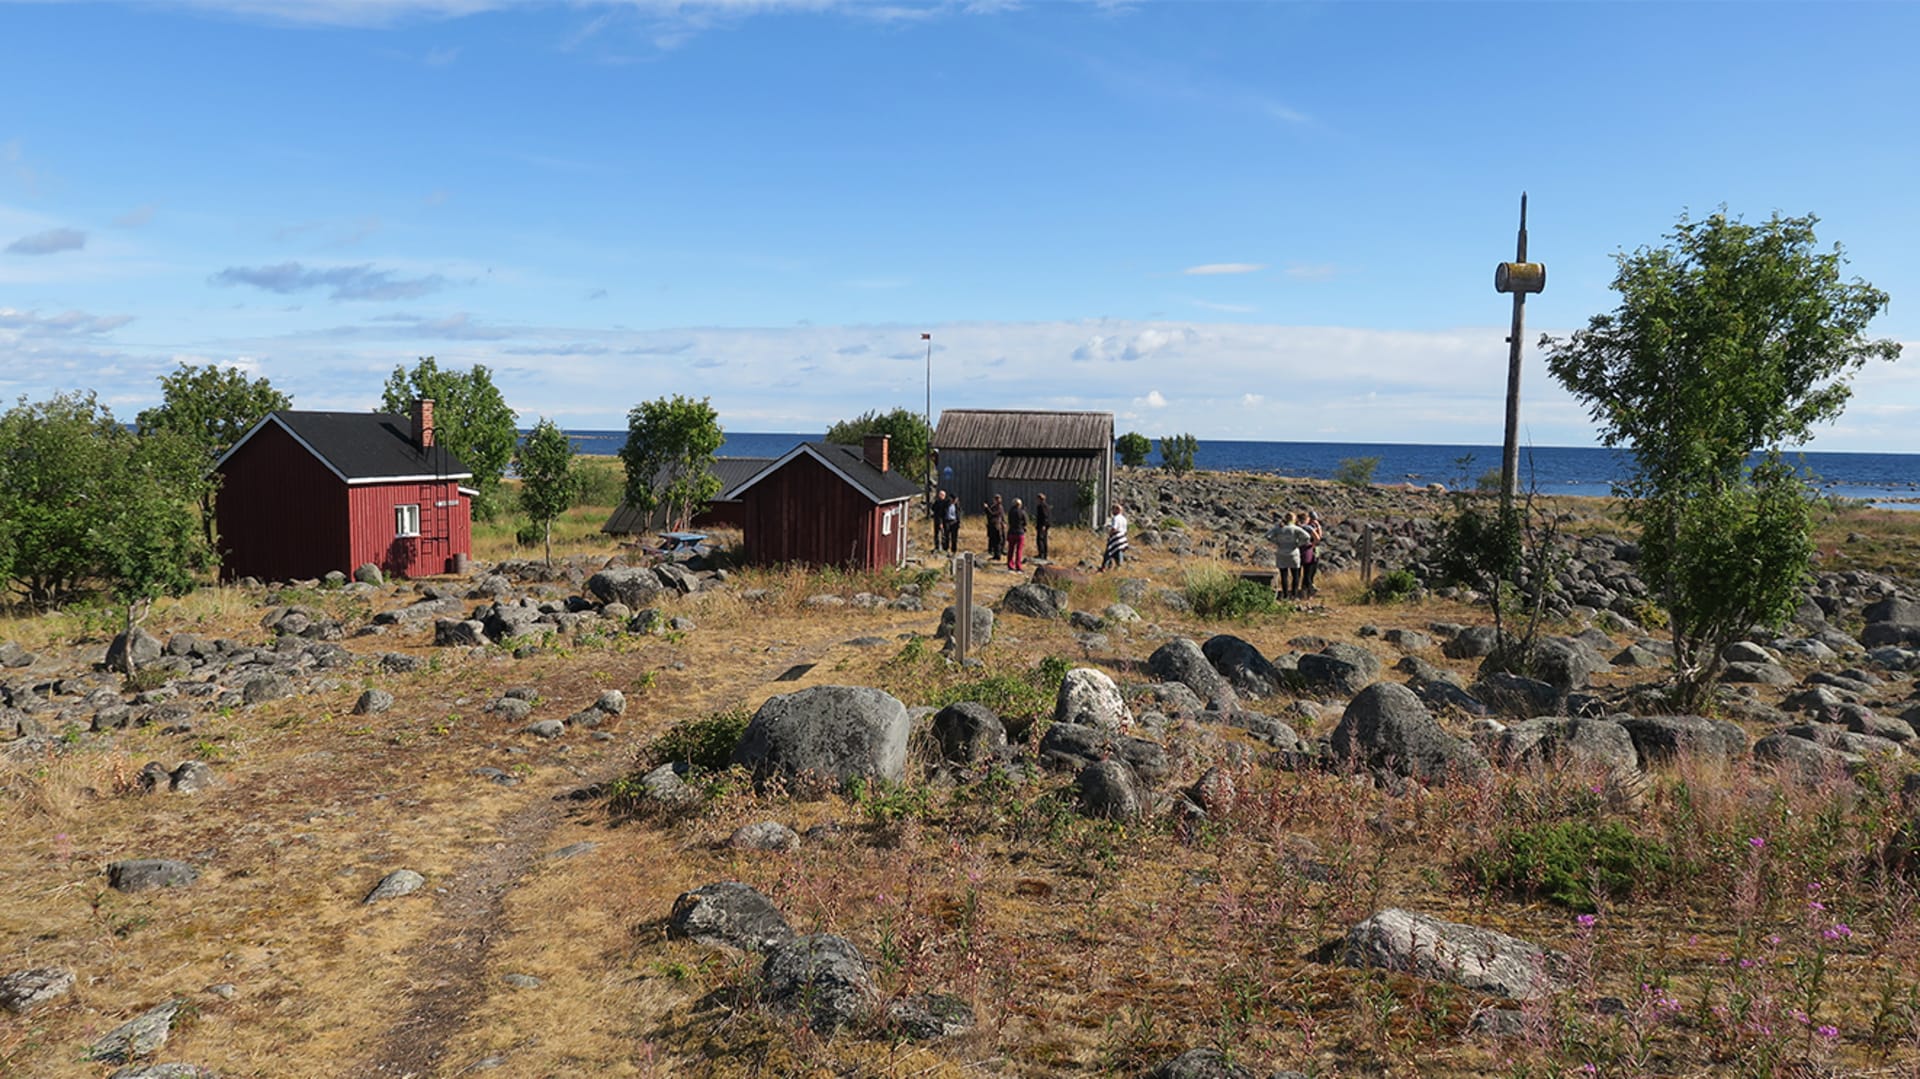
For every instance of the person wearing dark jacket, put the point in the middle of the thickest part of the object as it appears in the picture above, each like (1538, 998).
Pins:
(996, 526)
(1016, 537)
(940, 522)
(1042, 520)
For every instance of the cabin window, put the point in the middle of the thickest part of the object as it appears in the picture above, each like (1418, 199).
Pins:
(406, 520)
(886, 523)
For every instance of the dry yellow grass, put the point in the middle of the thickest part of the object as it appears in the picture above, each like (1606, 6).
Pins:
(1085, 947)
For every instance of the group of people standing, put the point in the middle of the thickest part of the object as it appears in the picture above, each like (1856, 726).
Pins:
(1296, 542)
(1006, 527)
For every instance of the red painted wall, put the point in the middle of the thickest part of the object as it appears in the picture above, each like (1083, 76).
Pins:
(280, 514)
(445, 530)
(804, 513)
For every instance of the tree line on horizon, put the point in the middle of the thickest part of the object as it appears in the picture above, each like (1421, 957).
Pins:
(1730, 340)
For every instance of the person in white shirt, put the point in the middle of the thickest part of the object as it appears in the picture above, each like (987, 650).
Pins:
(1288, 538)
(1116, 538)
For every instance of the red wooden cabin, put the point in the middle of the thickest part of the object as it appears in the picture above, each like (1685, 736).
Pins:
(825, 504)
(304, 493)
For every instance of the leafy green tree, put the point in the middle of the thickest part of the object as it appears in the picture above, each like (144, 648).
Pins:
(211, 407)
(86, 501)
(1356, 471)
(1176, 453)
(470, 418)
(1133, 448)
(669, 455)
(911, 438)
(1730, 340)
(548, 479)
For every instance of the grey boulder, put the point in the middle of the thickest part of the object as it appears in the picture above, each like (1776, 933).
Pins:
(396, 884)
(143, 1035)
(823, 977)
(1035, 601)
(1468, 956)
(968, 732)
(837, 732)
(1386, 726)
(728, 914)
(24, 990)
(634, 586)
(145, 874)
(1089, 698)
(1181, 660)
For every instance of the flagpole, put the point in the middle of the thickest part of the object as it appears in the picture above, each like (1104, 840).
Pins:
(927, 492)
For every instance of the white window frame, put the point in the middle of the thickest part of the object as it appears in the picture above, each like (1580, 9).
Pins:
(405, 516)
(886, 523)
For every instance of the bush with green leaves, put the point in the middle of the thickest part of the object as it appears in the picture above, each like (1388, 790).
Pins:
(1176, 453)
(706, 742)
(1219, 595)
(1133, 448)
(909, 439)
(1394, 586)
(1356, 471)
(669, 455)
(470, 418)
(1572, 863)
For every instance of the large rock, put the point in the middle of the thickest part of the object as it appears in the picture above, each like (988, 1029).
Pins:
(837, 732)
(1814, 762)
(1250, 673)
(1340, 668)
(1517, 695)
(1035, 601)
(396, 884)
(1089, 698)
(634, 586)
(452, 633)
(143, 1035)
(1557, 743)
(823, 977)
(982, 626)
(143, 646)
(969, 732)
(1566, 663)
(1478, 959)
(145, 874)
(1109, 789)
(1665, 739)
(24, 990)
(1472, 642)
(1181, 660)
(1386, 726)
(1073, 746)
(728, 914)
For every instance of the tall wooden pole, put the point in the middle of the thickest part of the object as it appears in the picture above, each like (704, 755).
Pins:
(1510, 451)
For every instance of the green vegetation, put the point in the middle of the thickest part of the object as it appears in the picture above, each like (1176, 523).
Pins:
(705, 743)
(1394, 586)
(211, 407)
(470, 418)
(1133, 448)
(669, 455)
(1219, 595)
(910, 442)
(84, 501)
(1176, 453)
(1356, 471)
(548, 480)
(1733, 339)
(1572, 863)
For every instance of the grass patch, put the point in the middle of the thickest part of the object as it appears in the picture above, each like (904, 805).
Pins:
(1221, 595)
(1572, 863)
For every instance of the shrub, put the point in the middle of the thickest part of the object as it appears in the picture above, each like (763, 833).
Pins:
(706, 743)
(1394, 586)
(1176, 453)
(1572, 863)
(1356, 471)
(1219, 594)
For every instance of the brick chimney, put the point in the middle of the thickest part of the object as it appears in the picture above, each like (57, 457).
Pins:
(874, 449)
(423, 422)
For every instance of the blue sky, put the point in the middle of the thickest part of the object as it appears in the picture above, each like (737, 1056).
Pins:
(1242, 220)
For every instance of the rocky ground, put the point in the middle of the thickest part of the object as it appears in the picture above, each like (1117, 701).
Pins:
(429, 828)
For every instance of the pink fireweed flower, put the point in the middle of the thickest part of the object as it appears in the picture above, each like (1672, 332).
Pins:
(1838, 931)
(1815, 905)
(1587, 921)
(1756, 842)
(1827, 1031)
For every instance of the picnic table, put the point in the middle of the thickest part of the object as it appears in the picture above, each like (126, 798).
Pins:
(675, 542)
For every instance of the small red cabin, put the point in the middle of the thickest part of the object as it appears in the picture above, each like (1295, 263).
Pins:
(305, 493)
(825, 504)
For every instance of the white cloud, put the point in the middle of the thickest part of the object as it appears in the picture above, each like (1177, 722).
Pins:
(137, 217)
(1210, 269)
(1153, 399)
(50, 242)
(1252, 400)
(1311, 271)
(1229, 308)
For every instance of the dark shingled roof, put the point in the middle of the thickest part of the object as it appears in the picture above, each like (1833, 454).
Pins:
(733, 471)
(366, 446)
(1015, 429)
(850, 463)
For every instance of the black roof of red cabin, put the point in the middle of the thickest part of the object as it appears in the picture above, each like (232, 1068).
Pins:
(850, 464)
(362, 447)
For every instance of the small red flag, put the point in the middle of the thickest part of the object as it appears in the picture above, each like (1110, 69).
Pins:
(926, 337)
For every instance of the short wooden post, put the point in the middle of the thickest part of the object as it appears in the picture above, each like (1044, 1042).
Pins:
(1366, 555)
(962, 606)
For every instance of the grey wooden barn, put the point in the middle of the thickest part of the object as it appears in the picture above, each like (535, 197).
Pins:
(1018, 453)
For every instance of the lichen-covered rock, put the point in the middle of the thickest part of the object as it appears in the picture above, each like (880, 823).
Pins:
(836, 732)
(1469, 956)
(143, 1035)
(24, 990)
(1386, 726)
(728, 914)
(821, 976)
(1089, 698)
